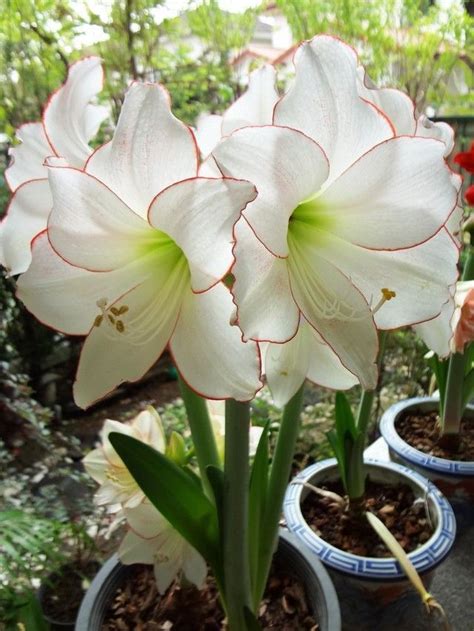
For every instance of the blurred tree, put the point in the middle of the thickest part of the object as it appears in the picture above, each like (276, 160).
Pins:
(415, 45)
(35, 45)
(222, 32)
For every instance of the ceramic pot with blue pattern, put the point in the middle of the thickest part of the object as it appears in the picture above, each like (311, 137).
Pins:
(369, 581)
(455, 478)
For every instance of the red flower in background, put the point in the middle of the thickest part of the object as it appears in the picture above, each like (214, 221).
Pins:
(465, 159)
(469, 195)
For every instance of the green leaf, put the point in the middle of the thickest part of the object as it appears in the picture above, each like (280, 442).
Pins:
(338, 450)
(173, 493)
(345, 421)
(468, 389)
(440, 370)
(257, 503)
(251, 622)
(215, 476)
(31, 616)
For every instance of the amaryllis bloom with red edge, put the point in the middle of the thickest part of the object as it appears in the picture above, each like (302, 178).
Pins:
(352, 208)
(465, 159)
(69, 122)
(451, 331)
(134, 254)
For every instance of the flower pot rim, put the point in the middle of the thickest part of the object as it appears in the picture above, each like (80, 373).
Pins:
(111, 574)
(425, 558)
(443, 466)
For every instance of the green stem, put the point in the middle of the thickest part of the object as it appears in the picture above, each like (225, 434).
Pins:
(468, 271)
(355, 474)
(453, 407)
(277, 484)
(201, 430)
(453, 403)
(235, 513)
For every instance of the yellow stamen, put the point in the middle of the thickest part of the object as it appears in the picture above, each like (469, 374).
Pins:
(387, 294)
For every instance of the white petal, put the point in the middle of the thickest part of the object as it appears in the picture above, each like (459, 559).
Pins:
(262, 290)
(94, 117)
(286, 167)
(208, 132)
(209, 168)
(209, 352)
(150, 428)
(325, 104)
(325, 367)
(336, 309)
(438, 333)
(90, 226)
(420, 276)
(136, 549)
(255, 106)
(25, 217)
(439, 131)
(67, 117)
(29, 156)
(194, 566)
(109, 452)
(167, 571)
(199, 215)
(96, 465)
(305, 356)
(110, 356)
(150, 150)
(65, 297)
(397, 105)
(147, 521)
(286, 367)
(397, 195)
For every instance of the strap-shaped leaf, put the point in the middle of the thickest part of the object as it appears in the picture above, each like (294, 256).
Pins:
(257, 503)
(173, 493)
(345, 421)
(468, 388)
(251, 622)
(339, 452)
(440, 370)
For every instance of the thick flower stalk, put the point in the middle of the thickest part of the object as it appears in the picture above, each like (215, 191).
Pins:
(69, 122)
(133, 255)
(348, 215)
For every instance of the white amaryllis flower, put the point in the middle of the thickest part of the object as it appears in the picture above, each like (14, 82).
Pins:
(69, 122)
(133, 256)
(117, 486)
(451, 330)
(254, 107)
(217, 417)
(347, 213)
(153, 540)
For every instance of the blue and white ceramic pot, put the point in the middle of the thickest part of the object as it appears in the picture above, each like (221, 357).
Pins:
(361, 579)
(453, 477)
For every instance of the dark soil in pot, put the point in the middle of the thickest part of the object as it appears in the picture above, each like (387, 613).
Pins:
(62, 593)
(395, 505)
(137, 605)
(420, 430)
